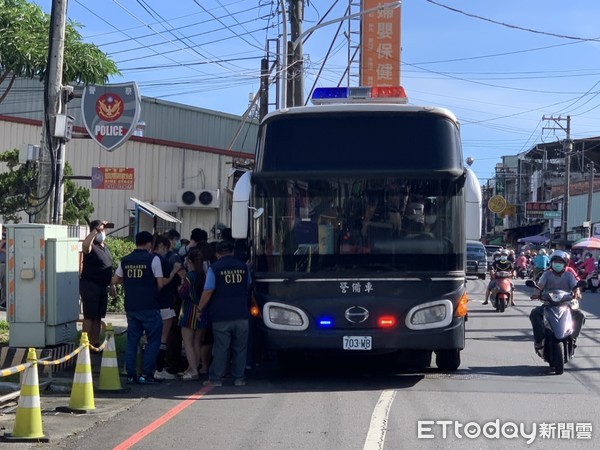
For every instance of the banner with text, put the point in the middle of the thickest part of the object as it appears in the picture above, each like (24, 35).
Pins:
(120, 178)
(541, 210)
(380, 46)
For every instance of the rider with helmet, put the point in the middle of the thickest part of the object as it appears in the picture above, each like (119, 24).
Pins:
(555, 278)
(540, 263)
(501, 263)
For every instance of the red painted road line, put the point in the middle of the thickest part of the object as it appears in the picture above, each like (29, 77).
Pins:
(137, 437)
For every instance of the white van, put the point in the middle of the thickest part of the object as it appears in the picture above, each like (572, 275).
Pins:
(476, 259)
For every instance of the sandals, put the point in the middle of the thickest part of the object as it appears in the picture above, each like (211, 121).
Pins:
(189, 377)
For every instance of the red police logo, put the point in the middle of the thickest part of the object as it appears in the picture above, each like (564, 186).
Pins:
(109, 107)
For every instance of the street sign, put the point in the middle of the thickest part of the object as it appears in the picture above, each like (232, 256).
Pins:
(552, 214)
(538, 210)
(496, 204)
(110, 113)
(120, 178)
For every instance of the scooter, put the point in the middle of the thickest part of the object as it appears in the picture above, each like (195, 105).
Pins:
(592, 281)
(559, 346)
(502, 293)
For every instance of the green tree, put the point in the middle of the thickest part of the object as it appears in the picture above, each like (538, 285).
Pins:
(24, 30)
(19, 182)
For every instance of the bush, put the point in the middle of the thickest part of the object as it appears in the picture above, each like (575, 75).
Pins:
(118, 247)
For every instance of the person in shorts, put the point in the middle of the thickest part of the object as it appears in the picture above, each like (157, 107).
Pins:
(95, 280)
(166, 300)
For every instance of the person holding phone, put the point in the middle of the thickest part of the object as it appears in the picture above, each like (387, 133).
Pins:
(95, 278)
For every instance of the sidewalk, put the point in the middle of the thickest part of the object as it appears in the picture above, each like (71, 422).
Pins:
(55, 393)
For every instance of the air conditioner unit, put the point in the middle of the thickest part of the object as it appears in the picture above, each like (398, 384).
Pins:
(198, 198)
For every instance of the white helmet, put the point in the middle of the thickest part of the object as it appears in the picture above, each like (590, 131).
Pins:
(559, 254)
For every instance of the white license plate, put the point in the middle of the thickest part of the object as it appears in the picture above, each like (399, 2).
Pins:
(358, 343)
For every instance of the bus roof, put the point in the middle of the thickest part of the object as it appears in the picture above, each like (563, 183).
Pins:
(362, 107)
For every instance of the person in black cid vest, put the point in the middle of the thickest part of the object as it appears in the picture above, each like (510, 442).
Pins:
(225, 295)
(95, 279)
(142, 277)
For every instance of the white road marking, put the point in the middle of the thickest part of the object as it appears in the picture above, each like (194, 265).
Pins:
(379, 420)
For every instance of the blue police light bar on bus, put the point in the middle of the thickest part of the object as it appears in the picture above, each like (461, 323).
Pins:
(360, 94)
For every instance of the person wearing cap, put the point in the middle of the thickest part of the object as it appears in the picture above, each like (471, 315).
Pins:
(226, 293)
(96, 273)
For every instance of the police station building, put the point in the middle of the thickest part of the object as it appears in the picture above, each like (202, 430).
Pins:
(181, 160)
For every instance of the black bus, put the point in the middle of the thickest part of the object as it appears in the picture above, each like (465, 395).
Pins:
(361, 213)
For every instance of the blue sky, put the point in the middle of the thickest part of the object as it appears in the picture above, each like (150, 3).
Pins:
(499, 66)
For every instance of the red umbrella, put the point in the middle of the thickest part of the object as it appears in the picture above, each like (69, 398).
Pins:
(592, 242)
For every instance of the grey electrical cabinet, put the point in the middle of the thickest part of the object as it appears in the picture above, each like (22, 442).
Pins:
(42, 280)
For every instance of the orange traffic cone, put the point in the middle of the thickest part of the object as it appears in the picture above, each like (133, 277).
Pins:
(109, 369)
(28, 419)
(82, 392)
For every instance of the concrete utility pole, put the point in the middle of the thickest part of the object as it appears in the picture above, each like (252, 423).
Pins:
(52, 91)
(296, 12)
(568, 149)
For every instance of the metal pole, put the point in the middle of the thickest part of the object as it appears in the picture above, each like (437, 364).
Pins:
(590, 197)
(283, 69)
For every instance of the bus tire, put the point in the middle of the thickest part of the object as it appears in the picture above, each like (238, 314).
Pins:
(447, 360)
(420, 359)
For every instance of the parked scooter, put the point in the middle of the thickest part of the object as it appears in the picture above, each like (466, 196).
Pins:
(559, 346)
(502, 293)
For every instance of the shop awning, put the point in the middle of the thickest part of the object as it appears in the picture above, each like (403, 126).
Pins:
(535, 239)
(146, 215)
(149, 207)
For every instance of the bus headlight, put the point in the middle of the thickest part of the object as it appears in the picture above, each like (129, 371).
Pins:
(280, 316)
(435, 314)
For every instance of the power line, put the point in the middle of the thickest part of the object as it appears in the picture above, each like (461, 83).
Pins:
(515, 27)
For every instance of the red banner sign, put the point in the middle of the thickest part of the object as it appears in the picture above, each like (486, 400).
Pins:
(380, 49)
(121, 178)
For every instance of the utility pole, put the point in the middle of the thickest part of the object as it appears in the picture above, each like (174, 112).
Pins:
(568, 149)
(296, 13)
(590, 195)
(296, 18)
(52, 107)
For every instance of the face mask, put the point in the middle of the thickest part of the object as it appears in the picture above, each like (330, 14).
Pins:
(503, 258)
(496, 259)
(100, 237)
(558, 267)
(177, 245)
(430, 220)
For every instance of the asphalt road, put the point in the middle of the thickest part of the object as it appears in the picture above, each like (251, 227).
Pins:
(502, 390)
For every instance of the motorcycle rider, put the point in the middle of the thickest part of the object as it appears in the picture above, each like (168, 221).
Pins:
(521, 265)
(540, 263)
(555, 278)
(501, 263)
(587, 267)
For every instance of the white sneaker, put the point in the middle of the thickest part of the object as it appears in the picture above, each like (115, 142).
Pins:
(164, 375)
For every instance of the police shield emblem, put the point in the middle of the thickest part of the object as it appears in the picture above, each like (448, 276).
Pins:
(111, 112)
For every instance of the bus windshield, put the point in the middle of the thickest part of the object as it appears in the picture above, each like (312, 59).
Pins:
(375, 223)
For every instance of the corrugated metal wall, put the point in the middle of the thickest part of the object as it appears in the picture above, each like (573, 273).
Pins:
(160, 170)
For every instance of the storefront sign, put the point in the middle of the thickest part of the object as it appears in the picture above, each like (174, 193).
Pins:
(120, 178)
